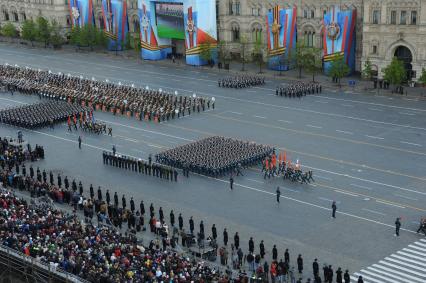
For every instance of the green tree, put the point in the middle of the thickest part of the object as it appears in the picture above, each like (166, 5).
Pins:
(244, 55)
(101, 38)
(367, 71)
(339, 69)
(75, 36)
(206, 52)
(138, 46)
(29, 31)
(9, 30)
(43, 31)
(128, 41)
(56, 37)
(313, 61)
(91, 36)
(298, 57)
(395, 72)
(223, 52)
(422, 78)
(259, 53)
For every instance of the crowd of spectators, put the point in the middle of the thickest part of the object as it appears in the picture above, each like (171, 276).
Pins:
(13, 153)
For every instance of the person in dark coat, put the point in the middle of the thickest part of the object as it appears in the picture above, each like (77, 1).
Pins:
(339, 277)
(330, 274)
(360, 280)
(231, 182)
(214, 232)
(397, 226)
(132, 205)
(333, 208)
(225, 237)
(287, 257)
(202, 230)
(300, 263)
(315, 268)
(191, 225)
(123, 202)
(116, 199)
(278, 194)
(108, 197)
(262, 249)
(346, 276)
(52, 180)
(274, 253)
(172, 218)
(59, 180)
(161, 214)
(251, 245)
(142, 207)
(236, 240)
(180, 220)
(92, 192)
(99, 194)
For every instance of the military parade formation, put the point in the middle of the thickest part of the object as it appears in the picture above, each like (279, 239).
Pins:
(243, 81)
(40, 114)
(147, 168)
(298, 89)
(141, 103)
(281, 167)
(215, 156)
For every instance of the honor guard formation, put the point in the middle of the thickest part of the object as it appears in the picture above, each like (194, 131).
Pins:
(271, 167)
(298, 89)
(241, 81)
(40, 114)
(140, 166)
(135, 102)
(215, 156)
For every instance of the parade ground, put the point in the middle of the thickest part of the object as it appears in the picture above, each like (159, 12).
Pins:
(367, 152)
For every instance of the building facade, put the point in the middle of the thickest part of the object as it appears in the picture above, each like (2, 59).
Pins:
(384, 28)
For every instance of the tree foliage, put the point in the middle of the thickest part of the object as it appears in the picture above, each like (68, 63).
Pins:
(395, 72)
(56, 37)
(43, 31)
(206, 52)
(244, 46)
(29, 31)
(339, 69)
(312, 61)
(259, 53)
(367, 71)
(422, 78)
(9, 30)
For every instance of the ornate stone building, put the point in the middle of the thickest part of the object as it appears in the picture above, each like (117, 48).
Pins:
(384, 29)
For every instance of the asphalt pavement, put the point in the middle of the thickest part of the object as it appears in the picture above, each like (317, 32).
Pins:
(367, 153)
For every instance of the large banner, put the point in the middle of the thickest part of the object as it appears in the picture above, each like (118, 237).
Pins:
(339, 37)
(281, 36)
(194, 21)
(81, 12)
(116, 25)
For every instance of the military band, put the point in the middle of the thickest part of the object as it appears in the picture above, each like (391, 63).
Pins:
(141, 103)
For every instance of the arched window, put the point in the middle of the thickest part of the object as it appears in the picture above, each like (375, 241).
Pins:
(23, 16)
(257, 33)
(235, 32)
(308, 36)
(136, 25)
(5, 14)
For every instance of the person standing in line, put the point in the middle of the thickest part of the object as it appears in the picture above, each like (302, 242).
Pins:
(79, 142)
(278, 194)
(231, 182)
(300, 263)
(225, 237)
(397, 226)
(334, 208)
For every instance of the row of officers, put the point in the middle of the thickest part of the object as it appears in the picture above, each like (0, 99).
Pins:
(140, 166)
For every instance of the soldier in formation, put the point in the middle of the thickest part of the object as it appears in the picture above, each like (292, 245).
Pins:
(140, 166)
(215, 156)
(141, 103)
(241, 81)
(298, 89)
(40, 114)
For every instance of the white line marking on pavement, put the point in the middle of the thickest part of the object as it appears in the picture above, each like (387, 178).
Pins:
(348, 105)
(410, 99)
(410, 198)
(137, 150)
(355, 279)
(285, 121)
(407, 113)
(375, 109)
(366, 180)
(415, 252)
(362, 187)
(319, 101)
(412, 256)
(403, 261)
(322, 177)
(237, 113)
(210, 85)
(417, 248)
(345, 193)
(325, 199)
(399, 273)
(256, 181)
(157, 146)
(373, 211)
(312, 126)
(344, 132)
(391, 204)
(410, 143)
(252, 91)
(374, 137)
(260, 117)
